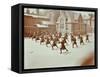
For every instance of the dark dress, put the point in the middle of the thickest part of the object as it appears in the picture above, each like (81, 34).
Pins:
(62, 45)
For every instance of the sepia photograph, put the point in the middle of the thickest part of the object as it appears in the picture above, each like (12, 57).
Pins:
(58, 38)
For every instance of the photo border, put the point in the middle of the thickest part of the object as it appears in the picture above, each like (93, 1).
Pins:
(22, 6)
